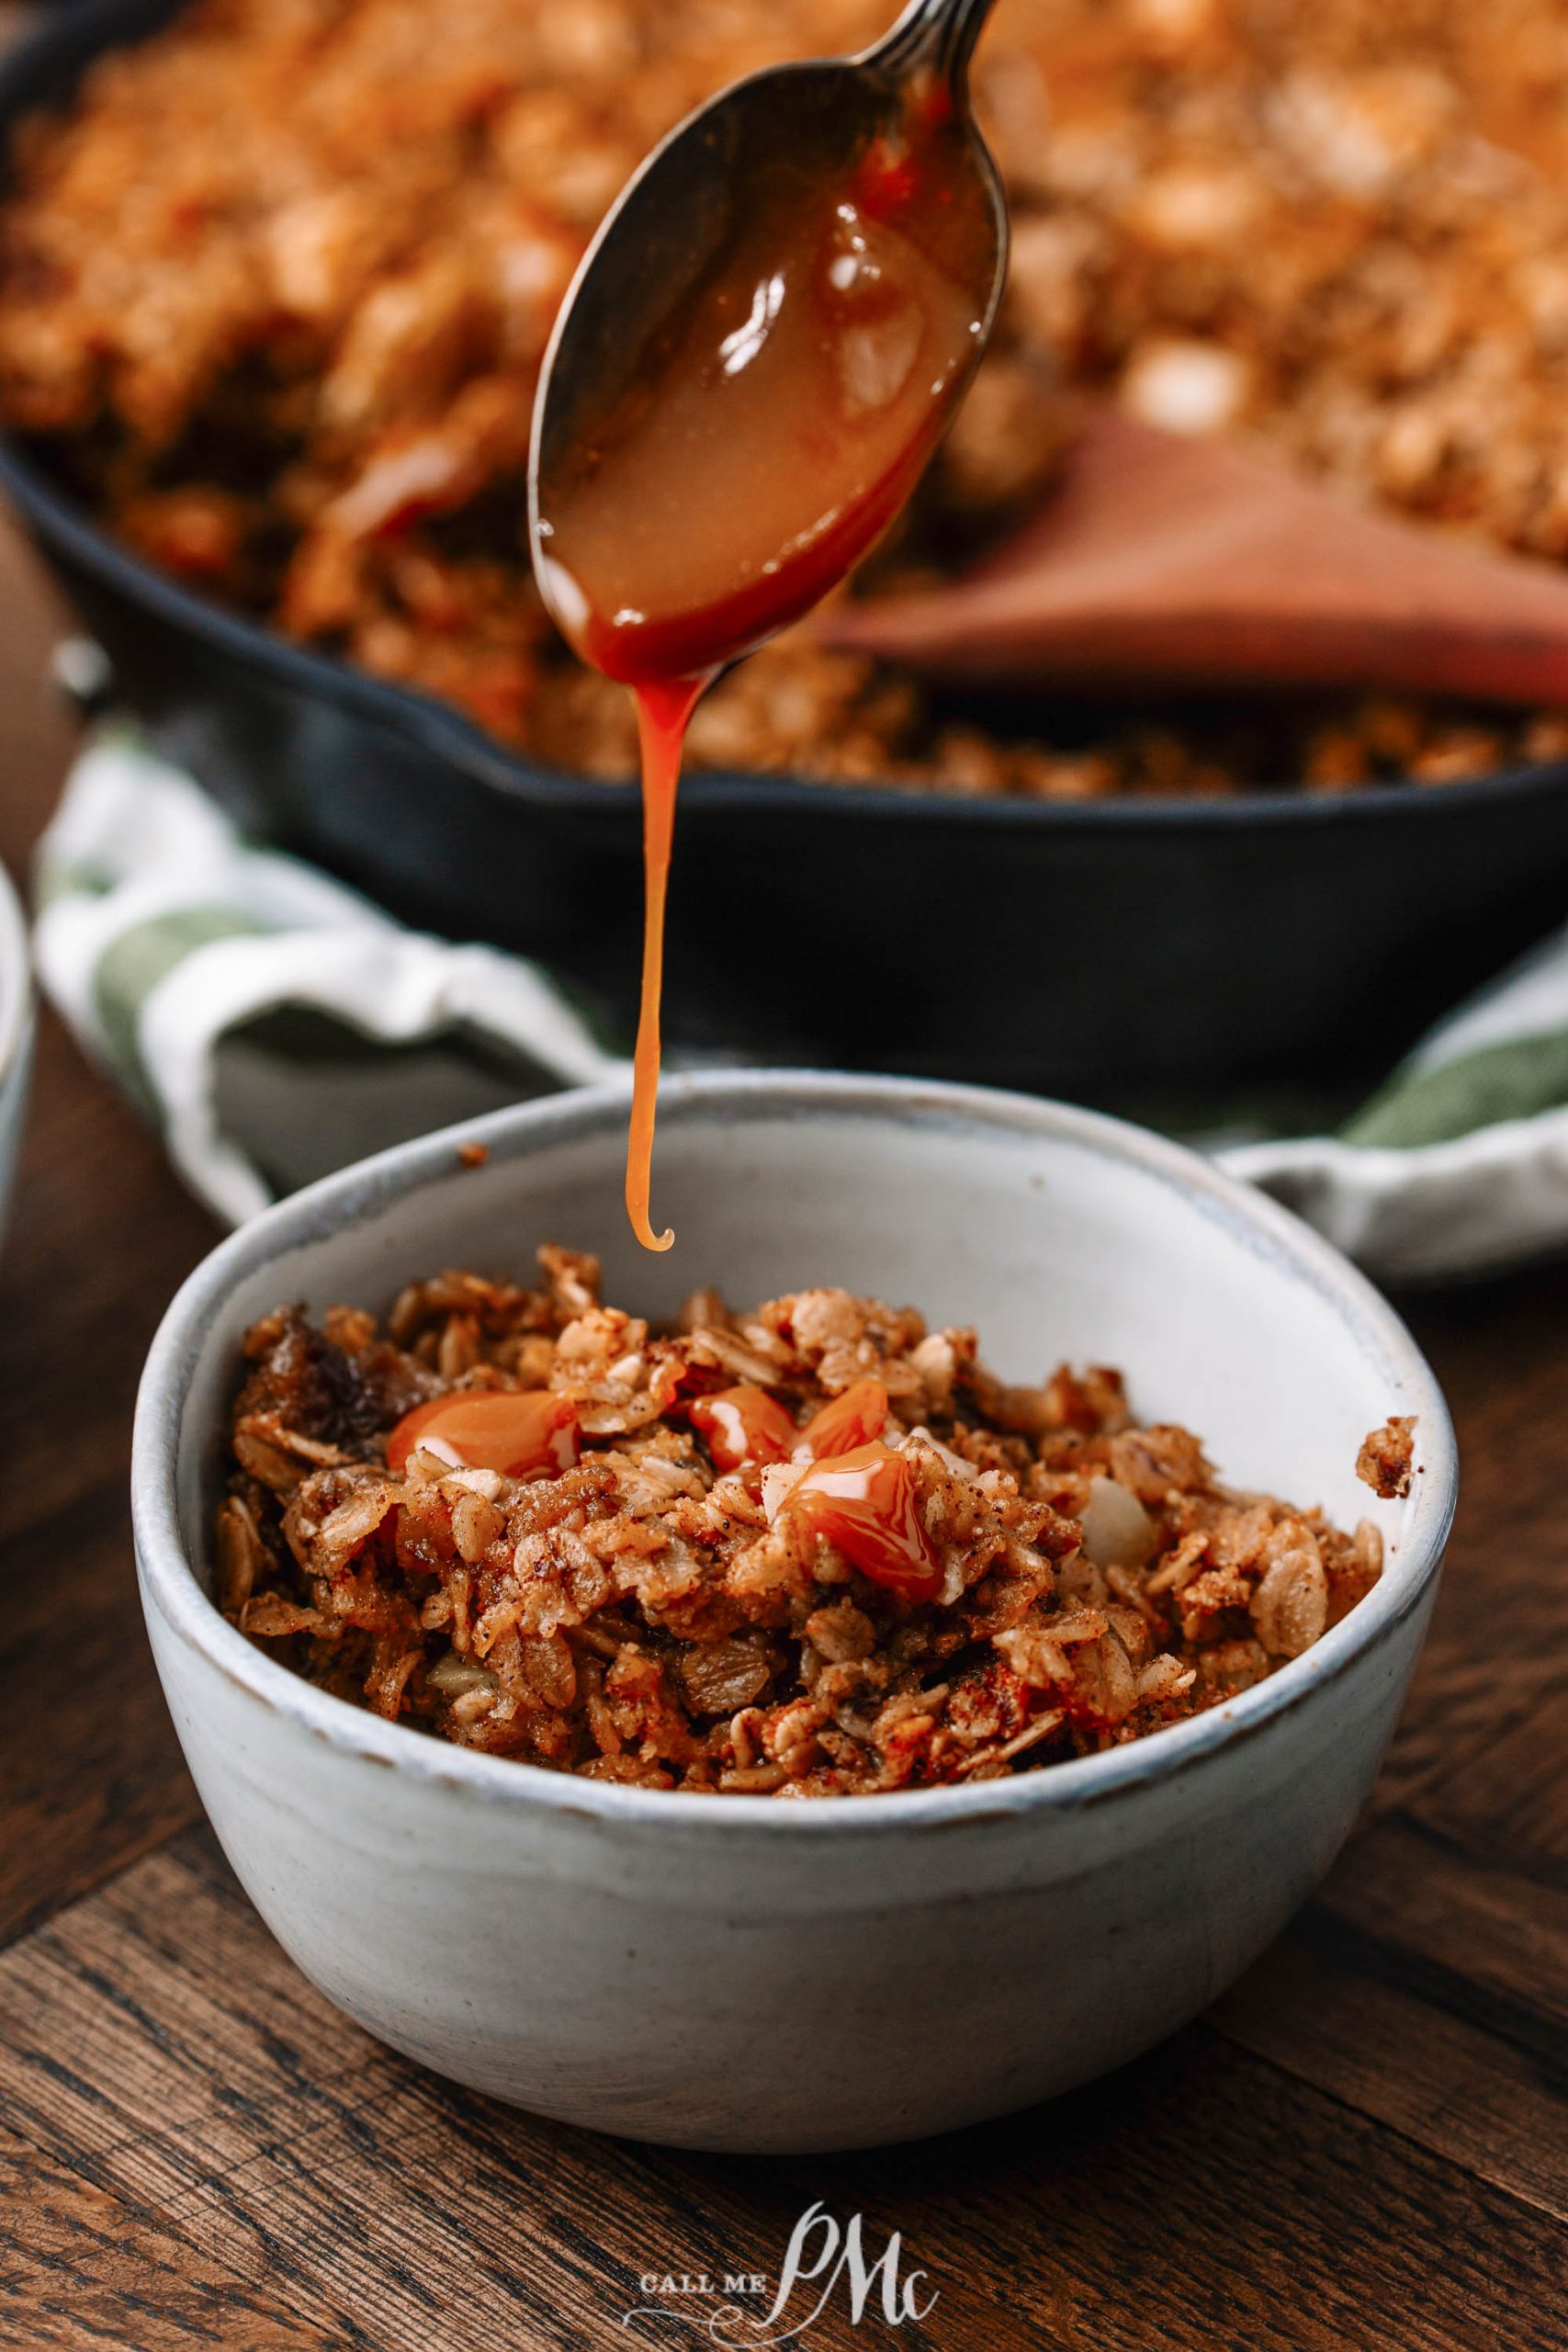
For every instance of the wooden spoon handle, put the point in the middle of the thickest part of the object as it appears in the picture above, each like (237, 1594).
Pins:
(1158, 558)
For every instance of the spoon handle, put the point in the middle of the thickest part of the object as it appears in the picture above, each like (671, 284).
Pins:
(938, 34)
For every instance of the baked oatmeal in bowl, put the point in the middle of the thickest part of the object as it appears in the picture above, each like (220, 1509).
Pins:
(649, 1707)
(813, 1550)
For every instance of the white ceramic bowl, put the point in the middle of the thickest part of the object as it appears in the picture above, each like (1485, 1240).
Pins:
(15, 1034)
(736, 1971)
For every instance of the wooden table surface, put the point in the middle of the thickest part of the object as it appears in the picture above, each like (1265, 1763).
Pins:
(1365, 2145)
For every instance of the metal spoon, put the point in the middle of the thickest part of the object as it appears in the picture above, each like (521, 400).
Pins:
(667, 238)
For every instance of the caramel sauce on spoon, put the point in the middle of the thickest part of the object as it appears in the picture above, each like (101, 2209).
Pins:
(751, 431)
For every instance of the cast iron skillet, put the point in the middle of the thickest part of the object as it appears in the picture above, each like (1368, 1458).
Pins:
(1176, 950)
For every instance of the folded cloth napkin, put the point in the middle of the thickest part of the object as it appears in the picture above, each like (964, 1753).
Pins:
(273, 1023)
(277, 1025)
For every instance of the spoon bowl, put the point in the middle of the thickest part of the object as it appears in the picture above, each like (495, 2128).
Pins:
(762, 347)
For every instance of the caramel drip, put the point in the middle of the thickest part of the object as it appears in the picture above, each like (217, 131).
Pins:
(756, 432)
(664, 706)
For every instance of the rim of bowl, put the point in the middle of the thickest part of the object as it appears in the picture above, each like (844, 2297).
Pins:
(16, 978)
(366, 1191)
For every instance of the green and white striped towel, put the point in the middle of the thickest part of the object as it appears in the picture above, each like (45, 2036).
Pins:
(277, 1025)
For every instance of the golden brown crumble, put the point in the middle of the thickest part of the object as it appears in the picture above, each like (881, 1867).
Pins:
(663, 1603)
(1384, 1462)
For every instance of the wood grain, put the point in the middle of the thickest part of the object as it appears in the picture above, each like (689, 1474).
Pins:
(89, 1772)
(166, 2063)
(79, 2266)
(1495, 1657)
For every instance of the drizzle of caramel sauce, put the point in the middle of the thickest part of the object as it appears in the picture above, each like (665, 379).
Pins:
(664, 706)
(852, 1418)
(864, 1504)
(744, 1425)
(760, 439)
(524, 1433)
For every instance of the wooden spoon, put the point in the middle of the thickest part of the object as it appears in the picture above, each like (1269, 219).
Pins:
(1162, 559)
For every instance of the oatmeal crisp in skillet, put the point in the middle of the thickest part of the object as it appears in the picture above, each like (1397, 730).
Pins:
(274, 289)
(814, 1549)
